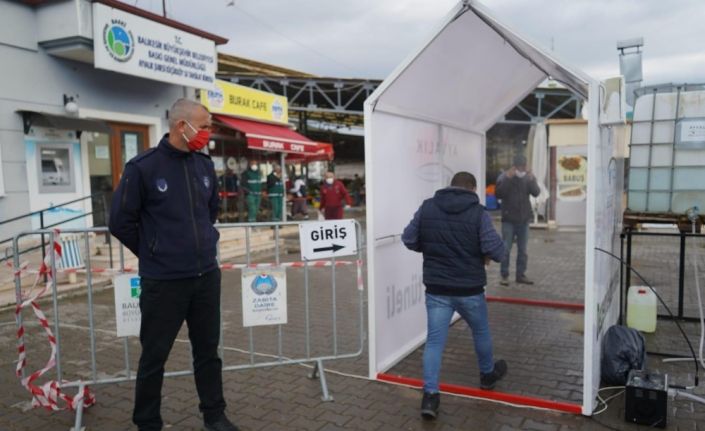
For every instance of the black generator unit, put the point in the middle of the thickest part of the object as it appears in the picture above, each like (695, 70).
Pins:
(646, 398)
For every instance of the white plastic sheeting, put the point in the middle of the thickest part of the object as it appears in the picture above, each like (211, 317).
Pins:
(413, 159)
(427, 121)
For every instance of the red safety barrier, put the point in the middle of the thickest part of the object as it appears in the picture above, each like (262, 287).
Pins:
(520, 400)
(537, 303)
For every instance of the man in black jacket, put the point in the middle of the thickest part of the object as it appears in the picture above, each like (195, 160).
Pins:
(514, 187)
(163, 211)
(457, 239)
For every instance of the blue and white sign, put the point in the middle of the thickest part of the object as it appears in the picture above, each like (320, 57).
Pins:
(264, 297)
(126, 288)
(133, 45)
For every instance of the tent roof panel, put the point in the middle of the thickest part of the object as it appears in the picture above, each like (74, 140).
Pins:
(471, 73)
(556, 69)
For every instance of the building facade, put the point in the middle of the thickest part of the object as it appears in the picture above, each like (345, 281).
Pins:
(86, 85)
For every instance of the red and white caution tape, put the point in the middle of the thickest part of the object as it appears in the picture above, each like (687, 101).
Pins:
(78, 270)
(18, 271)
(49, 394)
(315, 264)
(360, 280)
(225, 266)
(96, 270)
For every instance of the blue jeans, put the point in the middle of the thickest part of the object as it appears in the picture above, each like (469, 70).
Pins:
(509, 232)
(439, 311)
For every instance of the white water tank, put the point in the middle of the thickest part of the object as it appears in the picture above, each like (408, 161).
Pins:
(667, 160)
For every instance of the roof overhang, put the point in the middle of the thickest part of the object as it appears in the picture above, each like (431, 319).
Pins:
(43, 119)
(274, 138)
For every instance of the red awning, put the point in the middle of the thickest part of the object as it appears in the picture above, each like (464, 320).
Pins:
(270, 137)
(324, 152)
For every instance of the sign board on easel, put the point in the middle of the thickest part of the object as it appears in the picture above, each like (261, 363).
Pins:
(326, 239)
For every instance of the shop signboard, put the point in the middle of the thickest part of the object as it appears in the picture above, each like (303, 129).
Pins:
(280, 146)
(572, 177)
(239, 101)
(133, 45)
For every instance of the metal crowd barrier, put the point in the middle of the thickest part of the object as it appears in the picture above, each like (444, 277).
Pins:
(279, 359)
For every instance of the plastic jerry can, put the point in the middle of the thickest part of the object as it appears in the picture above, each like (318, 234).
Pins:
(641, 309)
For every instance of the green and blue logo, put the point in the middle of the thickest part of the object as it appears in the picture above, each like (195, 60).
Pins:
(135, 289)
(118, 40)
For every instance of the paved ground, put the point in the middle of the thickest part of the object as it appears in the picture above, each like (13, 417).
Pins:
(543, 348)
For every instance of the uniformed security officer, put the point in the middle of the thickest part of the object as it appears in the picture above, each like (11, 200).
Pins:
(275, 190)
(163, 211)
(252, 183)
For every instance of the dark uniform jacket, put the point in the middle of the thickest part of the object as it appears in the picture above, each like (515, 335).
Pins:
(164, 210)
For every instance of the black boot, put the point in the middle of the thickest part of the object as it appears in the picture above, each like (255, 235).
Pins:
(429, 405)
(489, 380)
(220, 424)
(522, 279)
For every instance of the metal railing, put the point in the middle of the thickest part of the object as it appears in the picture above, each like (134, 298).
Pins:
(627, 238)
(329, 353)
(6, 254)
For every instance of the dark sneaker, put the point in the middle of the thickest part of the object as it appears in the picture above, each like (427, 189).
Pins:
(489, 380)
(524, 280)
(504, 281)
(429, 405)
(220, 424)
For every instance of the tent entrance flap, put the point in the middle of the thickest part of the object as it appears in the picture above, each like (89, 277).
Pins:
(270, 137)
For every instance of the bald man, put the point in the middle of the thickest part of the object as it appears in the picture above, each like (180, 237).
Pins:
(163, 211)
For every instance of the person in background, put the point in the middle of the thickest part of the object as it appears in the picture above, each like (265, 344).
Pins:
(513, 188)
(275, 191)
(300, 197)
(228, 181)
(456, 237)
(356, 189)
(163, 211)
(333, 196)
(228, 186)
(252, 184)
